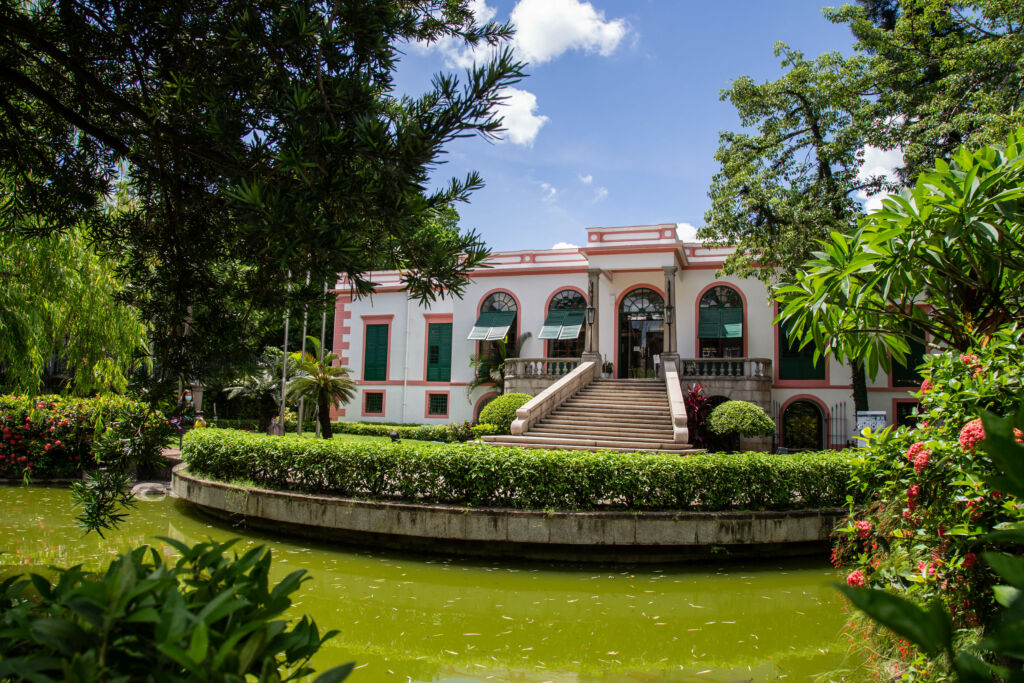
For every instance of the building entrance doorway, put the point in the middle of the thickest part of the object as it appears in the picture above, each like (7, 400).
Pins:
(641, 333)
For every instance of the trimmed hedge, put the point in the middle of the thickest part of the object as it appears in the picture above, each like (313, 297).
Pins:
(446, 433)
(741, 418)
(479, 475)
(501, 412)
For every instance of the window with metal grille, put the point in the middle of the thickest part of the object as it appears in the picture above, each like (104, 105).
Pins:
(437, 404)
(373, 402)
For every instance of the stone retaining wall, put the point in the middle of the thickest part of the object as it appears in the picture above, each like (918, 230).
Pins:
(614, 536)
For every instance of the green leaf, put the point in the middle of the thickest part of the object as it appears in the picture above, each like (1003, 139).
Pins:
(1009, 567)
(930, 630)
(338, 673)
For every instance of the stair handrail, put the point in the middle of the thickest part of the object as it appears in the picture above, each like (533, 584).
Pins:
(677, 406)
(538, 407)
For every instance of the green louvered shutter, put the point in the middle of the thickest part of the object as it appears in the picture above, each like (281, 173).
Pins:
(439, 352)
(375, 368)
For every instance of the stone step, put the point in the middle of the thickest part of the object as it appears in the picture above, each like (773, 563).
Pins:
(638, 405)
(604, 417)
(610, 432)
(617, 411)
(685, 451)
(565, 442)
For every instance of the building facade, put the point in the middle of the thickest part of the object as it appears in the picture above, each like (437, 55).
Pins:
(636, 297)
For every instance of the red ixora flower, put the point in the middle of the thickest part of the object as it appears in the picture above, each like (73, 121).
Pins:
(914, 449)
(912, 494)
(927, 568)
(856, 578)
(921, 460)
(864, 528)
(972, 433)
(968, 359)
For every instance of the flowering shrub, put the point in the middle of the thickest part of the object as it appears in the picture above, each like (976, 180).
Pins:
(57, 436)
(929, 501)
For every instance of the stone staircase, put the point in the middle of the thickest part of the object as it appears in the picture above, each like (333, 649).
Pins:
(607, 414)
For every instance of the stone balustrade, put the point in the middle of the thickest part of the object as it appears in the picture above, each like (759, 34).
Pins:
(539, 368)
(703, 369)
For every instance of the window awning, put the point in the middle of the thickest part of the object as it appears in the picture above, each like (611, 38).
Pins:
(562, 324)
(552, 325)
(572, 325)
(492, 325)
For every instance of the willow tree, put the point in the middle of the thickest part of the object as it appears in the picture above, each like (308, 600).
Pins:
(60, 316)
(262, 141)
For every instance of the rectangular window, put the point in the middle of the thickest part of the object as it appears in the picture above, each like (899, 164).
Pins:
(797, 363)
(437, 405)
(373, 403)
(375, 363)
(905, 416)
(439, 352)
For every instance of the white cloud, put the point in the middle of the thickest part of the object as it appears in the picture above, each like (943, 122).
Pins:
(565, 245)
(482, 11)
(519, 119)
(878, 162)
(547, 28)
(550, 193)
(686, 232)
(457, 54)
(601, 193)
(586, 179)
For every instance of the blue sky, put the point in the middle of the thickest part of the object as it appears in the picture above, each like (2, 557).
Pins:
(618, 121)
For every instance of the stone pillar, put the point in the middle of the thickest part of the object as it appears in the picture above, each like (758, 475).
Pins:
(592, 349)
(670, 355)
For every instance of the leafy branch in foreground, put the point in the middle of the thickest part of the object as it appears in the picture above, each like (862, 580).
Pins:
(206, 617)
(945, 258)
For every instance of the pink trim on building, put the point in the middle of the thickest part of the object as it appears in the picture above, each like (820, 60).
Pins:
(447, 404)
(387, 319)
(383, 403)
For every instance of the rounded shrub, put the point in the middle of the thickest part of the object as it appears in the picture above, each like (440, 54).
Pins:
(740, 418)
(502, 411)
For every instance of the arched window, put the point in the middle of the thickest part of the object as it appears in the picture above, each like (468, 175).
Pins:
(720, 327)
(803, 426)
(499, 315)
(563, 324)
(641, 335)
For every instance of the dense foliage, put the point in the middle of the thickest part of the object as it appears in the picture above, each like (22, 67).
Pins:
(484, 476)
(698, 407)
(206, 617)
(62, 327)
(944, 258)
(56, 436)
(501, 412)
(740, 418)
(932, 495)
(236, 126)
(449, 433)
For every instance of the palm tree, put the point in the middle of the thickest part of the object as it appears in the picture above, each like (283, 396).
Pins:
(322, 383)
(263, 385)
(490, 366)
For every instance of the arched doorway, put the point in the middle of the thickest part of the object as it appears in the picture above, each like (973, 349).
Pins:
(803, 426)
(641, 333)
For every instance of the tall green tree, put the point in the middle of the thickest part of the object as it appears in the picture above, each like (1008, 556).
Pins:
(260, 140)
(792, 178)
(945, 257)
(938, 74)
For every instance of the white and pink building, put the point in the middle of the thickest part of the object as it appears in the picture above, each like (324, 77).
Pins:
(636, 297)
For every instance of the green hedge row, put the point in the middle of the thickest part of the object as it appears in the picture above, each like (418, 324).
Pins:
(445, 433)
(479, 475)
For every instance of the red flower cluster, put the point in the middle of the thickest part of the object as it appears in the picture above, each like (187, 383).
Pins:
(912, 495)
(926, 385)
(864, 528)
(972, 433)
(856, 578)
(921, 460)
(914, 450)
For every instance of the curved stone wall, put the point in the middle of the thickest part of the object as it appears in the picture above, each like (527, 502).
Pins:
(615, 536)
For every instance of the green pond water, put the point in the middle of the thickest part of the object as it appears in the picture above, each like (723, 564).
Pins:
(420, 618)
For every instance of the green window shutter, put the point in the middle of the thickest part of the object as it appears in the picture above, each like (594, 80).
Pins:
(796, 363)
(552, 325)
(439, 352)
(375, 366)
(710, 323)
